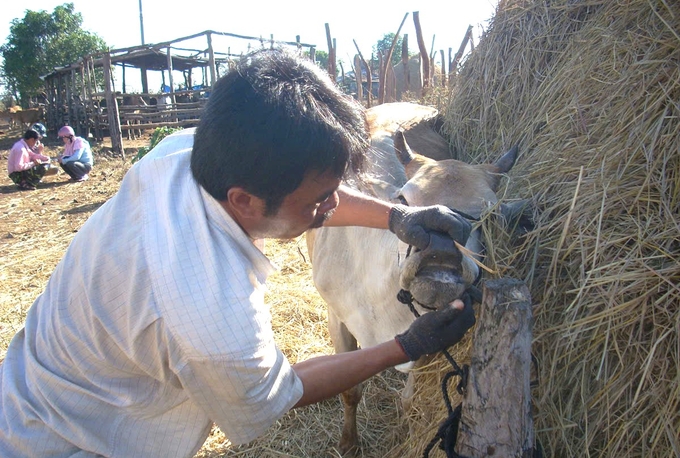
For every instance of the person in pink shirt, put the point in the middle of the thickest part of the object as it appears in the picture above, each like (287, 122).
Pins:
(26, 165)
(76, 160)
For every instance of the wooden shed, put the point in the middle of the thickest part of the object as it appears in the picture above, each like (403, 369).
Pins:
(85, 95)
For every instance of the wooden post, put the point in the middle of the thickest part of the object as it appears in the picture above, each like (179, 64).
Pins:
(496, 414)
(357, 77)
(443, 72)
(112, 108)
(331, 52)
(211, 61)
(461, 49)
(451, 69)
(173, 100)
(70, 93)
(369, 76)
(404, 62)
(90, 110)
(82, 112)
(388, 63)
(145, 79)
(424, 57)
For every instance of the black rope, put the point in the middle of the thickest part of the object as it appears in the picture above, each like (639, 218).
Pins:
(447, 432)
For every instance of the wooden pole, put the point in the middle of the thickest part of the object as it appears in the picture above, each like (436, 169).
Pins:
(331, 52)
(461, 49)
(443, 71)
(388, 62)
(404, 64)
(173, 100)
(211, 61)
(496, 414)
(358, 78)
(112, 108)
(369, 76)
(82, 111)
(424, 57)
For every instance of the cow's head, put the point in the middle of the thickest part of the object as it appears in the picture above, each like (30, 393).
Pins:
(441, 273)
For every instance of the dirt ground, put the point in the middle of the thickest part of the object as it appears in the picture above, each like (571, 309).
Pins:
(37, 226)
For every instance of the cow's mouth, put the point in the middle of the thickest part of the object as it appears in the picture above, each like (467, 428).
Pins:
(433, 286)
(435, 277)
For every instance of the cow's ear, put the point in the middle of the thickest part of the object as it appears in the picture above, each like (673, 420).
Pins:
(505, 162)
(401, 148)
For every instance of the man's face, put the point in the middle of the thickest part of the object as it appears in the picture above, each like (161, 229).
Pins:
(305, 208)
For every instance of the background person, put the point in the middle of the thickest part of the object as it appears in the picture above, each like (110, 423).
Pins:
(26, 165)
(76, 160)
(153, 325)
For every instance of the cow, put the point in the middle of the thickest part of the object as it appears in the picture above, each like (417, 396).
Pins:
(29, 116)
(360, 271)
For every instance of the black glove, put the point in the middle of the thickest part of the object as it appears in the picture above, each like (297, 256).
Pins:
(436, 331)
(413, 224)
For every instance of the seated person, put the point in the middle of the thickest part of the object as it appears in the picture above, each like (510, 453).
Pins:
(76, 160)
(26, 165)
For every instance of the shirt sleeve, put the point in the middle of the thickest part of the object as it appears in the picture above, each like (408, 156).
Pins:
(243, 396)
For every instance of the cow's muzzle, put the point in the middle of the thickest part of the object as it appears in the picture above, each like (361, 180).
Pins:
(438, 274)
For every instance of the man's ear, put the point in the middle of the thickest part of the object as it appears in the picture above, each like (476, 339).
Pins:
(245, 205)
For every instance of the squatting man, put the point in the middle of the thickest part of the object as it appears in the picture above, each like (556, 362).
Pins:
(153, 325)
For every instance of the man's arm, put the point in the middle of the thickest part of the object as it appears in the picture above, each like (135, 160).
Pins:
(357, 209)
(413, 225)
(326, 376)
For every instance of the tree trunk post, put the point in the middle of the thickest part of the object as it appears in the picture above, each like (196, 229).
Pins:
(496, 413)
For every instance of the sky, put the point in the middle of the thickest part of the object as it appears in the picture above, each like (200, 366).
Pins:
(364, 21)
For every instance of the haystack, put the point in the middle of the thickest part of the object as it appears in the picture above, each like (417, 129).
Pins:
(590, 91)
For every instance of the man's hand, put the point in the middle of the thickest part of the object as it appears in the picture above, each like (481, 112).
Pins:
(436, 331)
(413, 224)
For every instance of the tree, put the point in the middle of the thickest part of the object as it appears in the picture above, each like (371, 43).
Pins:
(40, 42)
(383, 47)
(321, 58)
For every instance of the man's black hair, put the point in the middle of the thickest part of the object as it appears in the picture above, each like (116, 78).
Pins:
(269, 121)
(30, 133)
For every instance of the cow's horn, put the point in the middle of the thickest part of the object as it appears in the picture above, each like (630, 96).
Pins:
(402, 149)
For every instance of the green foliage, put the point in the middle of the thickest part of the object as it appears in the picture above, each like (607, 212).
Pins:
(321, 58)
(159, 134)
(40, 42)
(383, 47)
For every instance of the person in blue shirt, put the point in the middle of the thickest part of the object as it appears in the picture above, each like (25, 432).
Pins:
(76, 160)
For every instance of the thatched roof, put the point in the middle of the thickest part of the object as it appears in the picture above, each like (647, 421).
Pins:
(590, 90)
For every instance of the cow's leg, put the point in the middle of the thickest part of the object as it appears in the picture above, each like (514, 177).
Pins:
(410, 387)
(343, 341)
